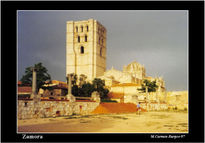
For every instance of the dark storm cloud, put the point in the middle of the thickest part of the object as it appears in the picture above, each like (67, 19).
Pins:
(157, 39)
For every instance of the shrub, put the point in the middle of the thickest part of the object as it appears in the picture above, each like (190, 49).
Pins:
(108, 100)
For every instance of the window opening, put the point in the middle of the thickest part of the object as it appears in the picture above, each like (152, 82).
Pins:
(26, 104)
(78, 39)
(82, 50)
(81, 28)
(86, 38)
(76, 29)
(101, 51)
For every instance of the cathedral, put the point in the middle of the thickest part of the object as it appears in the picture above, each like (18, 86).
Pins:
(86, 54)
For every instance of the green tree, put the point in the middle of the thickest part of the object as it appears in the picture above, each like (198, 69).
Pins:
(152, 86)
(75, 90)
(99, 86)
(41, 73)
(86, 90)
(98, 83)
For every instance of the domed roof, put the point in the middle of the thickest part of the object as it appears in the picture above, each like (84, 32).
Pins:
(133, 66)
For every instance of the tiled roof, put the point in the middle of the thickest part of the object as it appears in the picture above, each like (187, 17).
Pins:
(58, 82)
(85, 101)
(125, 84)
(60, 86)
(115, 95)
(24, 89)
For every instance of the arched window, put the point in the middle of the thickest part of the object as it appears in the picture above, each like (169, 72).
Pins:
(86, 38)
(87, 28)
(101, 51)
(76, 28)
(82, 50)
(78, 39)
(81, 28)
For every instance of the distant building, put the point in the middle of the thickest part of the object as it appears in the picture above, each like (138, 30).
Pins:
(177, 99)
(86, 55)
(125, 85)
(125, 92)
(54, 90)
(136, 70)
(132, 73)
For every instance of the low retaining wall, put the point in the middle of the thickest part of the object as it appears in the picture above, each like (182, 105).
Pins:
(154, 106)
(48, 108)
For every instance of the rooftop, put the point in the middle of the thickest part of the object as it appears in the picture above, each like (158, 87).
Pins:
(24, 89)
(115, 95)
(125, 84)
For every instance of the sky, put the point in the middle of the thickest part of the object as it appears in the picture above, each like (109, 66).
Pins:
(156, 39)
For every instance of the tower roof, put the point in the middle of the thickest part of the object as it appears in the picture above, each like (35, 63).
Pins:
(133, 66)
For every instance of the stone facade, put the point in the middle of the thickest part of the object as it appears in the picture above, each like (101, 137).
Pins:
(135, 69)
(118, 76)
(86, 48)
(128, 92)
(177, 99)
(49, 108)
(126, 76)
(154, 106)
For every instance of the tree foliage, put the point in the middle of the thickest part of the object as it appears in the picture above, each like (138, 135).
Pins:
(41, 73)
(85, 89)
(99, 86)
(152, 86)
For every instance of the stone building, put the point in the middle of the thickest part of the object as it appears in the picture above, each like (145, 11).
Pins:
(135, 69)
(125, 85)
(124, 92)
(132, 73)
(86, 48)
(177, 100)
(86, 55)
(54, 90)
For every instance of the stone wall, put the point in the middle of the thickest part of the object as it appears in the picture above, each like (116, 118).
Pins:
(48, 108)
(177, 99)
(84, 108)
(154, 106)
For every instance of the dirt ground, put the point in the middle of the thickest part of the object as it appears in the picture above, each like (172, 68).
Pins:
(146, 122)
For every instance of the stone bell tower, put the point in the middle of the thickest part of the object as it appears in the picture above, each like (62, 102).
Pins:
(85, 48)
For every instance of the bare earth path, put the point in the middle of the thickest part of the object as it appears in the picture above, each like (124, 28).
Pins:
(147, 122)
